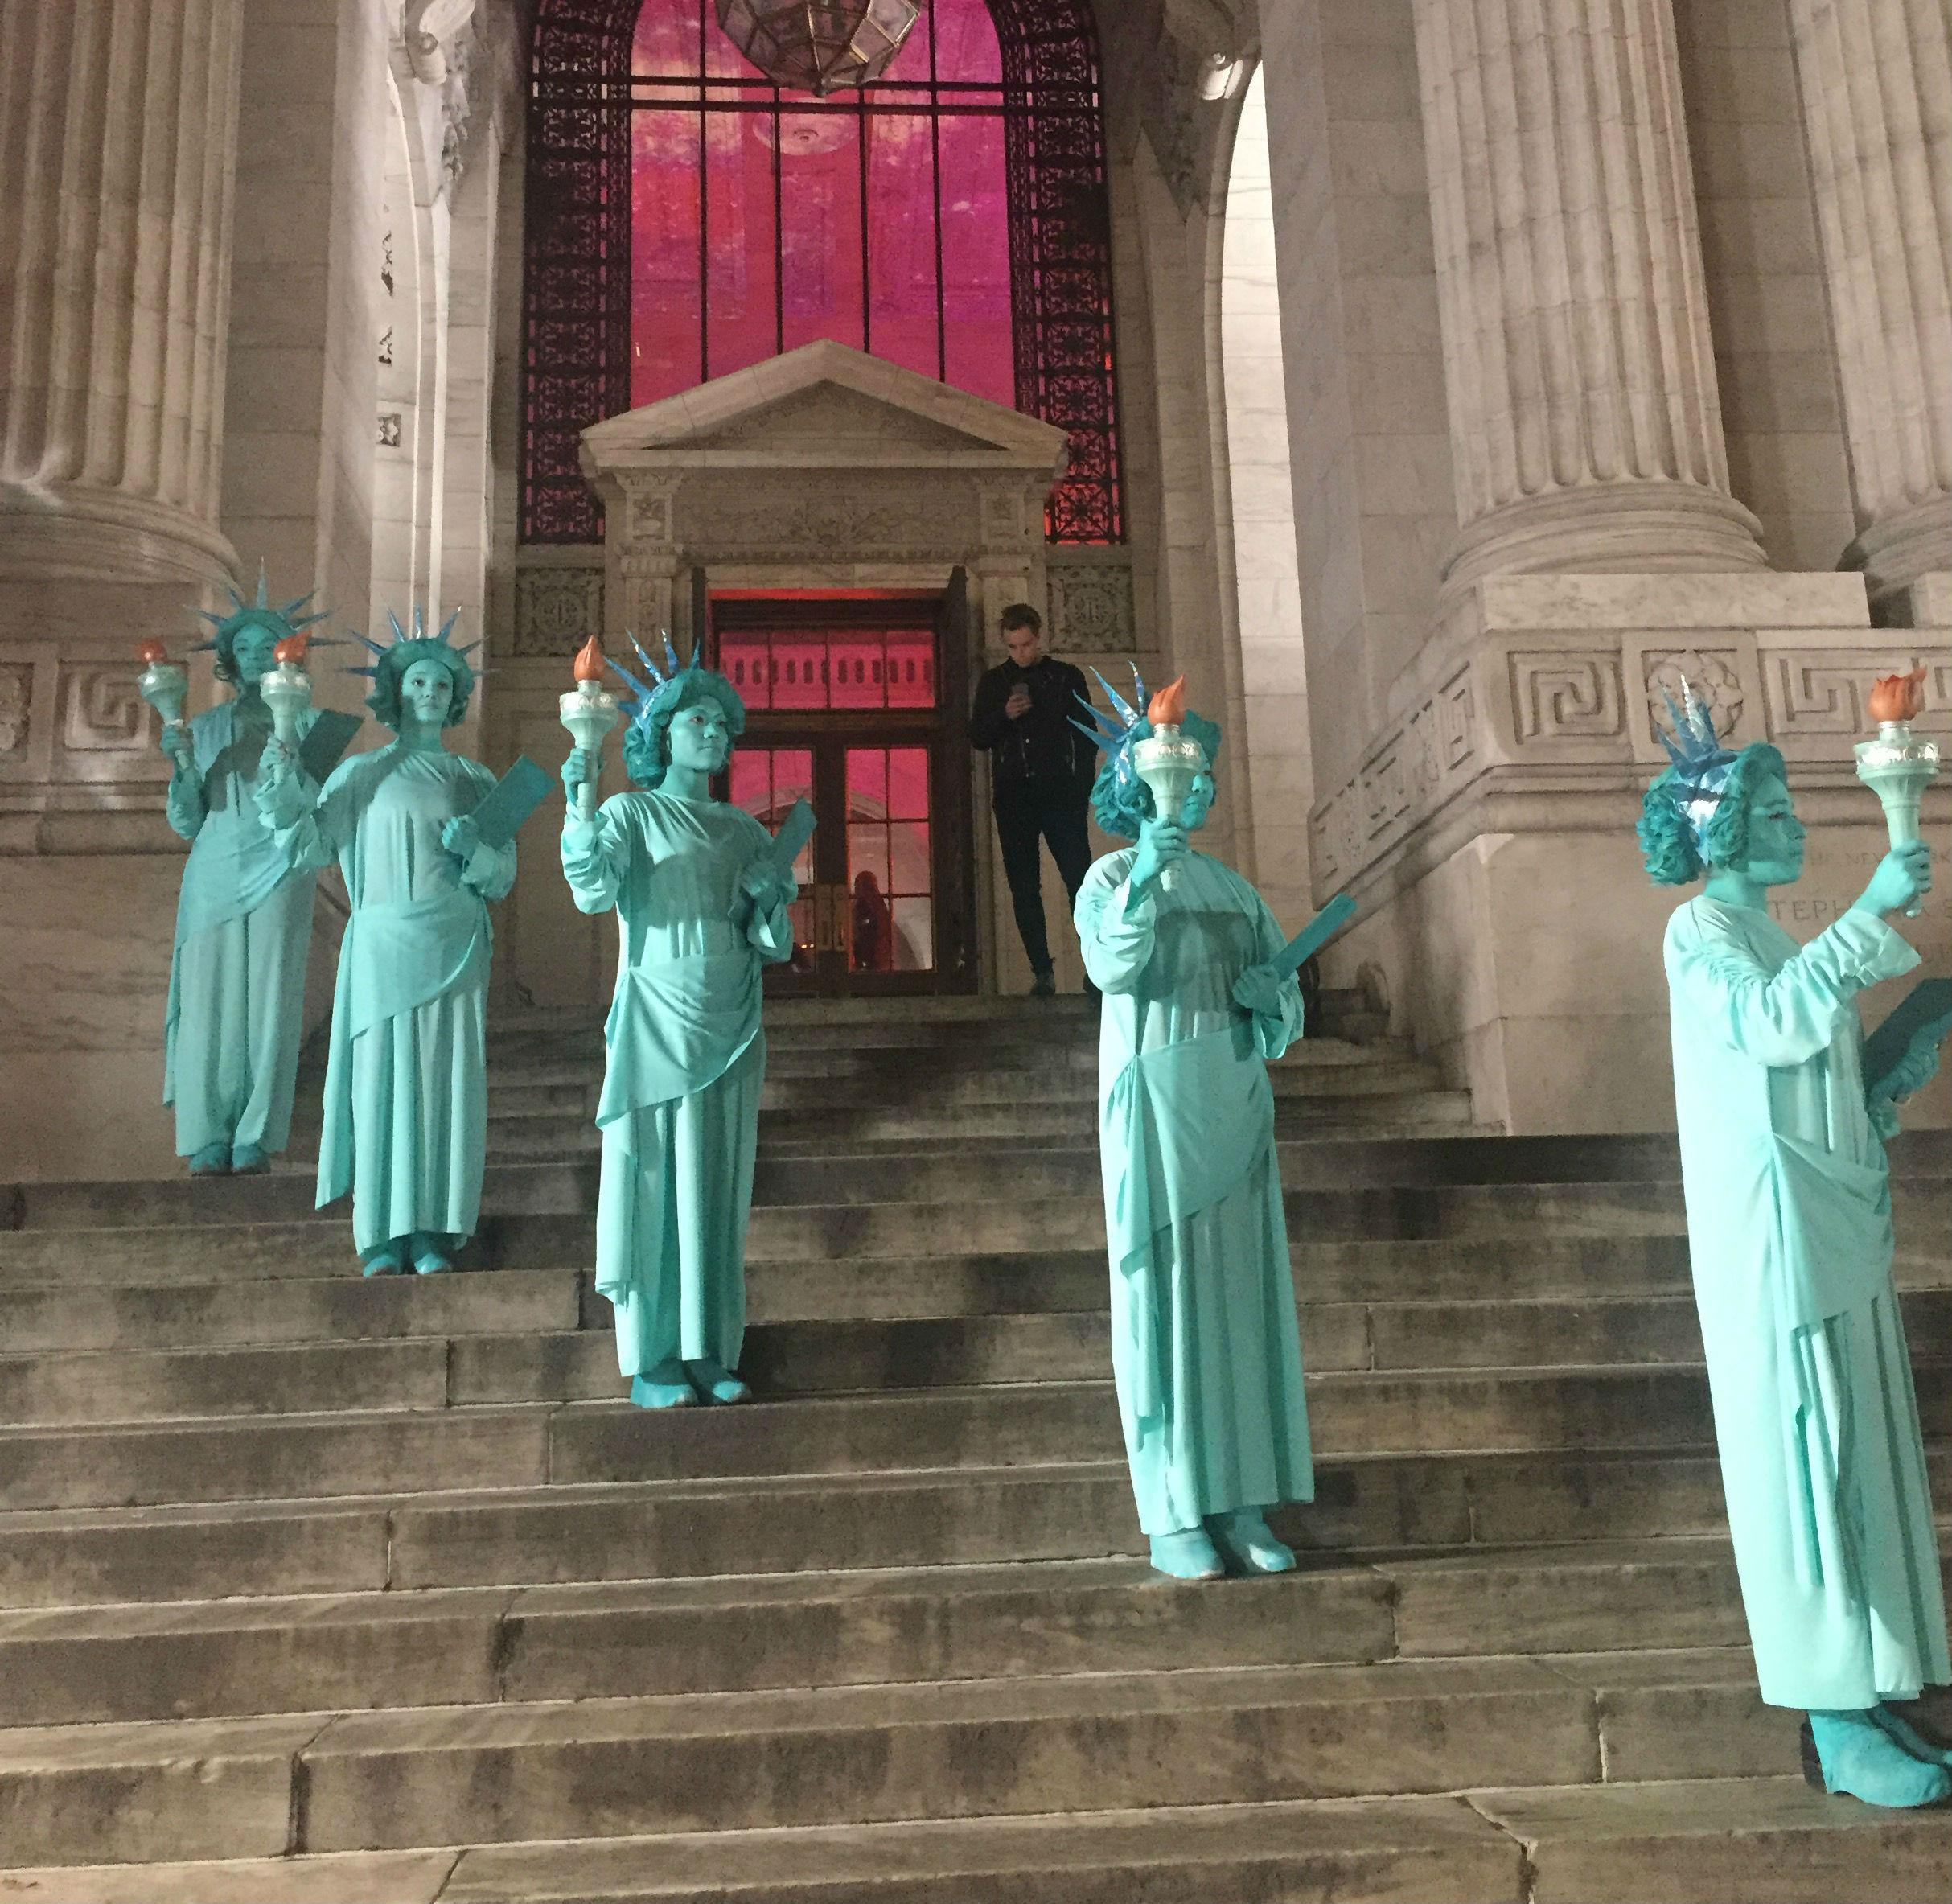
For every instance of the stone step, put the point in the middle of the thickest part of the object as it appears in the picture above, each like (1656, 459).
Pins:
(58, 1278)
(466, 1646)
(850, 1755)
(352, 1451)
(1003, 1127)
(564, 1533)
(1771, 1840)
(417, 1371)
(743, 1760)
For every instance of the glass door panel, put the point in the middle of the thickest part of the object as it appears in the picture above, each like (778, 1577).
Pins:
(891, 877)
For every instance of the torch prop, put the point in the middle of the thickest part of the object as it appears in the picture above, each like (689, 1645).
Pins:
(162, 683)
(589, 712)
(287, 690)
(1896, 764)
(1168, 761)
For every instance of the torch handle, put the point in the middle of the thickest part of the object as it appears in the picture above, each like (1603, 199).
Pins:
(586, 800)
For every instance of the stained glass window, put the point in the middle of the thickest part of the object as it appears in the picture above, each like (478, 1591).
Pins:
(687, 218)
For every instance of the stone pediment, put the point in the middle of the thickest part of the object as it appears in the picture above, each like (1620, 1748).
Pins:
(825, 405)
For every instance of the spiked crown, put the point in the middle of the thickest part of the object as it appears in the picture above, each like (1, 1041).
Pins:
(279, 620)
(1700, 765)
(391, 659)
(653, 701)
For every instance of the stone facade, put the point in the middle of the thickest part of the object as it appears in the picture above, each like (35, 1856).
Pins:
(1568, 390)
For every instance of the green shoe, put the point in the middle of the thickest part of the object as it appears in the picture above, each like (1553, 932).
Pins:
(1858, 1757)
(714, 1383)
(1187, 1554)
(1242, 1536)
(213, 1160)
(249, 1160)
(663, 1387)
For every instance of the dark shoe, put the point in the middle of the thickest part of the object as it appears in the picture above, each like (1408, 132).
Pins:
(1043, 985)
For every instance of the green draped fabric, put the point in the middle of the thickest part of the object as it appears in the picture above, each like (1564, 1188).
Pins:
(679, 1109)
(406, 1104)
(1205, 1346)
(243, 924)
(1789, 1218)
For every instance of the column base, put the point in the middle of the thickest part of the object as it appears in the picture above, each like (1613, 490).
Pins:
(73, 532)
(1612, 528)
(1488, 838)
(1899, 554)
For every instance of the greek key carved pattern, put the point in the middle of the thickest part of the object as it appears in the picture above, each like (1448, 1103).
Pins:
(1559, 696)
(1407, 775)
(1824, 692)
(101, 713)
(557, 610)
(16, 700)
(1091, 610)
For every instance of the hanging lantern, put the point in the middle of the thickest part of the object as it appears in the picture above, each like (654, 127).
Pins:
(819, 46)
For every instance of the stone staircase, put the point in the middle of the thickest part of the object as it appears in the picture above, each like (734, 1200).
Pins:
(318, 1591)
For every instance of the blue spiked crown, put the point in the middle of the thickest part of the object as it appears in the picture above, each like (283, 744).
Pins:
(1700, 764)
(654, 700)
(409, 645)
(1118, 797)
(277, 619)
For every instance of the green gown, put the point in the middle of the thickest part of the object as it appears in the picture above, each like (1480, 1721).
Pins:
(1788, 1219)
(406, 1102)
(679, 1111)
(243, 928)
(1205, 1346)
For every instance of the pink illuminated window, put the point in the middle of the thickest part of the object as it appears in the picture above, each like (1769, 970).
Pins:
(684, 218)
(762, 219)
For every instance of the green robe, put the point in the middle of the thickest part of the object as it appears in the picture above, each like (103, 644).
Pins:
(406, 1102)
(679, 1111)
(243, 928)
(1788, 1219)
(1205, 1346)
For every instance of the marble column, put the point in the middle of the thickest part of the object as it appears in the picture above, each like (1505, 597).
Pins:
(118, 139)
(1877, 82)
(118, 142)
(1585, 426)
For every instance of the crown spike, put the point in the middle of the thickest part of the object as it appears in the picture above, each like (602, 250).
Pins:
(1127, 712)
(264, 588)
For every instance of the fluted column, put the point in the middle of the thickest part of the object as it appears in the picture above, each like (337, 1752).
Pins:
(1585, 426)
(118, 123)
(1876, 82)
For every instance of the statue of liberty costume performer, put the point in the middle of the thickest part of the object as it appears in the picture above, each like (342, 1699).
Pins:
(405, 1127)
(243, 919)
(701, 908)
(1789, 1218)
(1206, 1348)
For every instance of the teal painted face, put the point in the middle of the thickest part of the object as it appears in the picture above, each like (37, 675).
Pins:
(1776, 835)
(427, 692)
(253, 653)
(699, 740)
(1199, 803)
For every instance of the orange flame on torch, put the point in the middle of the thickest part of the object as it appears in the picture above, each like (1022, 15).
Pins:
(1168, 707)
(589, 662)
(1898, 696)
(152, 651)
(291, 651)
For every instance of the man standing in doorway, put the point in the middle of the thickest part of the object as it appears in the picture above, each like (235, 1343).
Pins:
(1039, 774)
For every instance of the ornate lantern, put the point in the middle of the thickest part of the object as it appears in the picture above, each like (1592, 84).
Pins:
(819, 46)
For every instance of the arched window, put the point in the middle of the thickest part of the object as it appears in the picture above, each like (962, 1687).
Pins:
(686, 218)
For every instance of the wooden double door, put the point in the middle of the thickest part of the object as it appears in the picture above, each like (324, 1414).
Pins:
(857, 701)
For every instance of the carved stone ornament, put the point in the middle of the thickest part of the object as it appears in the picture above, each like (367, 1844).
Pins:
(16, 697)
(1091, 610)
(1716, 682)
(430, 28)
(557, 610)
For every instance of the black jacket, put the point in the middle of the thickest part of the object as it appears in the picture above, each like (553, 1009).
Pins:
(1043, 746)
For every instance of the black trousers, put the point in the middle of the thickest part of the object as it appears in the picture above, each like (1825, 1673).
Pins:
(1054, 811)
